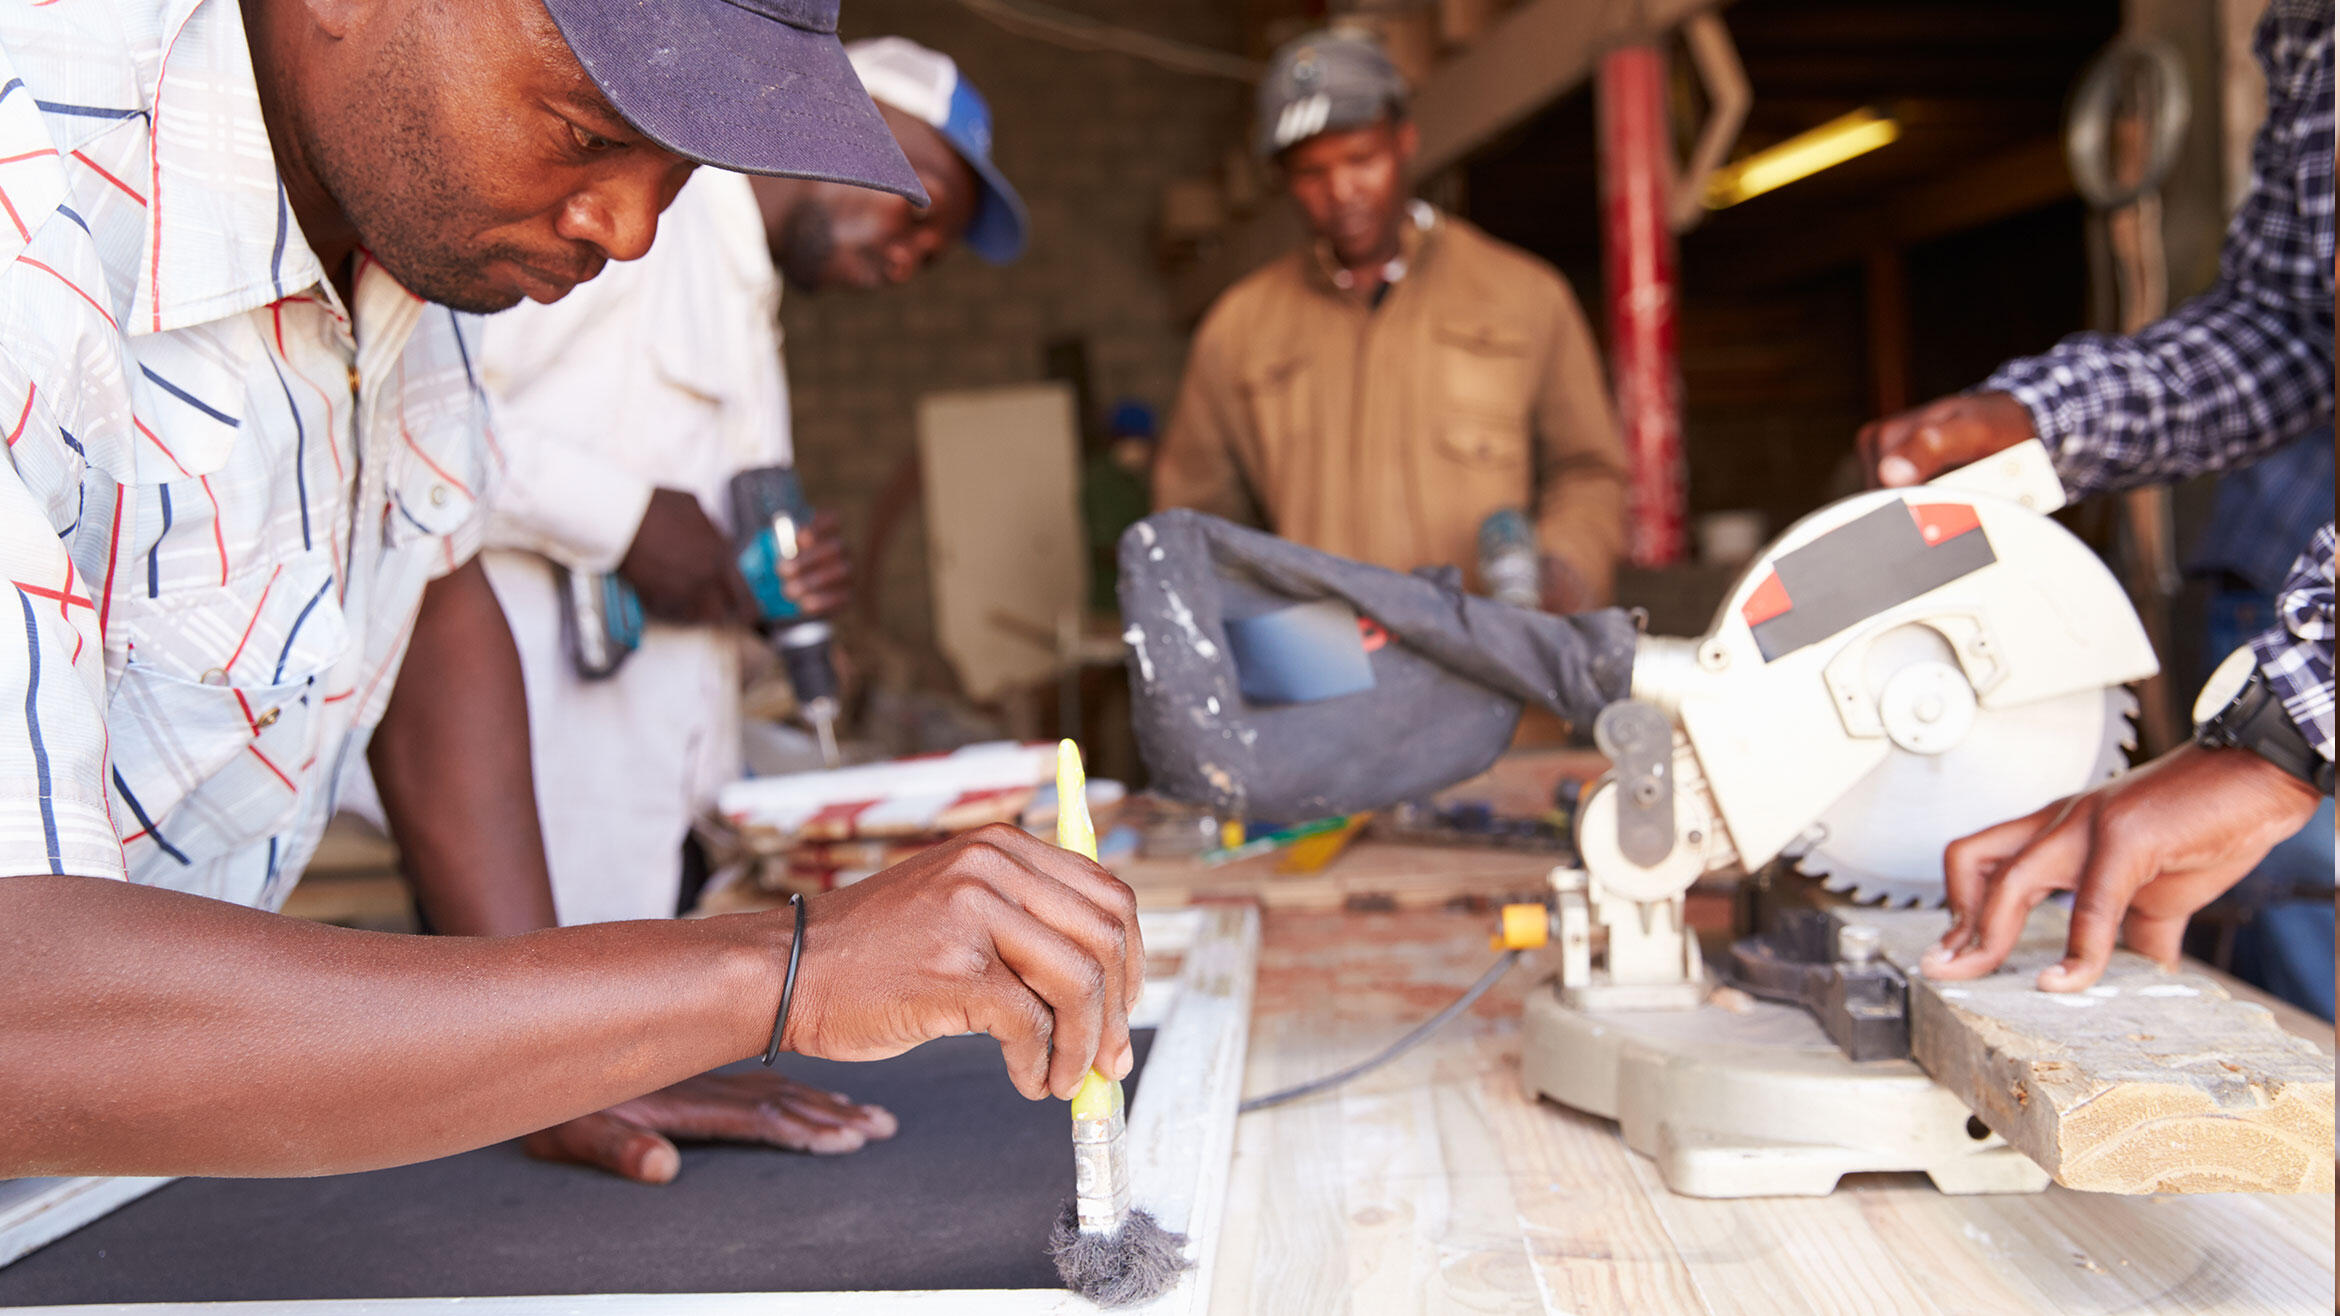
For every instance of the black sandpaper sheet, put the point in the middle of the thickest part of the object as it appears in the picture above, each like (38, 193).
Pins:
(962, 1198)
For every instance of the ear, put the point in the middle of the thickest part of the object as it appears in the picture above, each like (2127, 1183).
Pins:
(1408, 141)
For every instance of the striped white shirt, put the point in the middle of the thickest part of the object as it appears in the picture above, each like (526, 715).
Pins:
(226, 490)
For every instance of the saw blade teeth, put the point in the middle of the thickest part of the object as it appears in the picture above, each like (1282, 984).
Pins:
(1870, 888)
(2116, 732)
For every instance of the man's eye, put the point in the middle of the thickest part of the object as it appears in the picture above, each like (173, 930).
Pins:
(589, 141)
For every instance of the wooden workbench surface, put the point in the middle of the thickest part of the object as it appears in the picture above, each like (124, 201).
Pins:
(1435, 1184)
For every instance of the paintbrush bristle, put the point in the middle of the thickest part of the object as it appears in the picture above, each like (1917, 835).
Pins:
(1139, 1261)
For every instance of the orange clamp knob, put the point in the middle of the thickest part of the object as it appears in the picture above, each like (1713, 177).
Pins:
(1525, 927)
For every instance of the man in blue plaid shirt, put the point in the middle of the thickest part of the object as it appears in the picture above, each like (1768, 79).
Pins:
(2222, 379)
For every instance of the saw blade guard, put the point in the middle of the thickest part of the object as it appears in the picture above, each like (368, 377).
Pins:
(1798, 693)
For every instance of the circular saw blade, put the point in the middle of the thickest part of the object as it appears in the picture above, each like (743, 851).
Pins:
(1883, 840)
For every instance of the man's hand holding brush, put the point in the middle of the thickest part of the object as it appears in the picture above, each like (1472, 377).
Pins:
(991, 932)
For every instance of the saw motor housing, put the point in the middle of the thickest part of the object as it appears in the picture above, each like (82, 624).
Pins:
(1898, 669)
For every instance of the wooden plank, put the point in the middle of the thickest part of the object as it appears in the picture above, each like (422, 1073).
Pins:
(1592, 1230)
(2149, 1082)
(1369, 874)
(1780, 1256)
(2062, 1251)
(1404, 1167)
(1003, 529)
(1182, 1125)
(1524, 62)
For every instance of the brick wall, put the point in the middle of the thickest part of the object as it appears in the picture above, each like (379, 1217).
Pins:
(1089, 139)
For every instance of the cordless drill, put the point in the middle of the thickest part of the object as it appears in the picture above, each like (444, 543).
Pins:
(768, 514)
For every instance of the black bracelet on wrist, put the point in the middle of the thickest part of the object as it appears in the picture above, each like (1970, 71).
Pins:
(787, 984)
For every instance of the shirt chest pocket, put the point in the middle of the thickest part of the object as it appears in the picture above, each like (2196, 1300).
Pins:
(1280, 398)
(1485, 389)
(218, 713)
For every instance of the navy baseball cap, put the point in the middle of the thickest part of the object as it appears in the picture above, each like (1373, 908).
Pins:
(927, 85)
(754, 86)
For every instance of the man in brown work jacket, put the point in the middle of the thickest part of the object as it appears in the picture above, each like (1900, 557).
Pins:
(1383, 390)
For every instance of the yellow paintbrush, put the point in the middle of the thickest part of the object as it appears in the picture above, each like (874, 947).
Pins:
(1106, 1252)
(1097, 1107)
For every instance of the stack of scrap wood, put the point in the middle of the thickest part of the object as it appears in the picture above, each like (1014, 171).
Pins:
(813, 831)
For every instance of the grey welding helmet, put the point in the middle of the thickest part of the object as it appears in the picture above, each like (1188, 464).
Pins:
(1274, 681)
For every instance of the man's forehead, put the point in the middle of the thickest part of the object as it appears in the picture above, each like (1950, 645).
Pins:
(555, 69)
(1381, 134)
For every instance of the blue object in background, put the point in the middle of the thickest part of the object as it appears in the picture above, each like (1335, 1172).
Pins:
(2286, 947)
(1299, 654)
(2264, 516)
(759, 563)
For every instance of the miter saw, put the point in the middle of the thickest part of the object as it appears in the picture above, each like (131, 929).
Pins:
(1899, 669)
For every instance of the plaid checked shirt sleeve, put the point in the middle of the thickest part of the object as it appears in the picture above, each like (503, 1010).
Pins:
(2236, 371)
(2296, 654)
(2246, 365)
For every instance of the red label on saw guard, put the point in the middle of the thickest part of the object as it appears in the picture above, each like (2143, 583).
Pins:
(1874, 562)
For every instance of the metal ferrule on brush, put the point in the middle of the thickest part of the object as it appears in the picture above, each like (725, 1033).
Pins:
(1100, 1170)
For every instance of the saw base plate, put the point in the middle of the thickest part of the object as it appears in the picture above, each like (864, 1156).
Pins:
(1757, 1102)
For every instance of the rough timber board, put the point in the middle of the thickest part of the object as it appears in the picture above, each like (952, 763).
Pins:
(1181, 1137)
(2150, 1082)
(1003, 529)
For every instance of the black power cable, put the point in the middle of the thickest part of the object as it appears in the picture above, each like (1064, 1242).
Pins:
(1394, 1049)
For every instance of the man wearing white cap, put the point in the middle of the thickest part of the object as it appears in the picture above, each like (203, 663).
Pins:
(623, 410)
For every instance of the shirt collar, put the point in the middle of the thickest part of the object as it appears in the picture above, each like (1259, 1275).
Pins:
(221, 238)
(1421, 224)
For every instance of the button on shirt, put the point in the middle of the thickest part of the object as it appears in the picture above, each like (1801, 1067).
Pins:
(2237, 370)
(227, 491)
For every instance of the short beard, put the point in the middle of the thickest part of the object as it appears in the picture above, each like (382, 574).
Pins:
(385, 165)
(806, 243)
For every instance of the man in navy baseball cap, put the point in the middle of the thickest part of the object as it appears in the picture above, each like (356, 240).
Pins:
(754, 86)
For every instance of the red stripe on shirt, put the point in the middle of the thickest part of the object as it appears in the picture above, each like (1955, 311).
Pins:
(28, 155)
(154, 224)
(66, 598)
(246, 705)
(13, 217)
(93, 302)
(25, 416)
(332, 439)
(288, 782)
(436, 469)
(217, 536)
(62, 597)
(156, 439)
(246, 637)
(100, 171)
(113, 541)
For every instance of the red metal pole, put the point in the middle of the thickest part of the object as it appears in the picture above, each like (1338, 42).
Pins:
(1638, 252)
